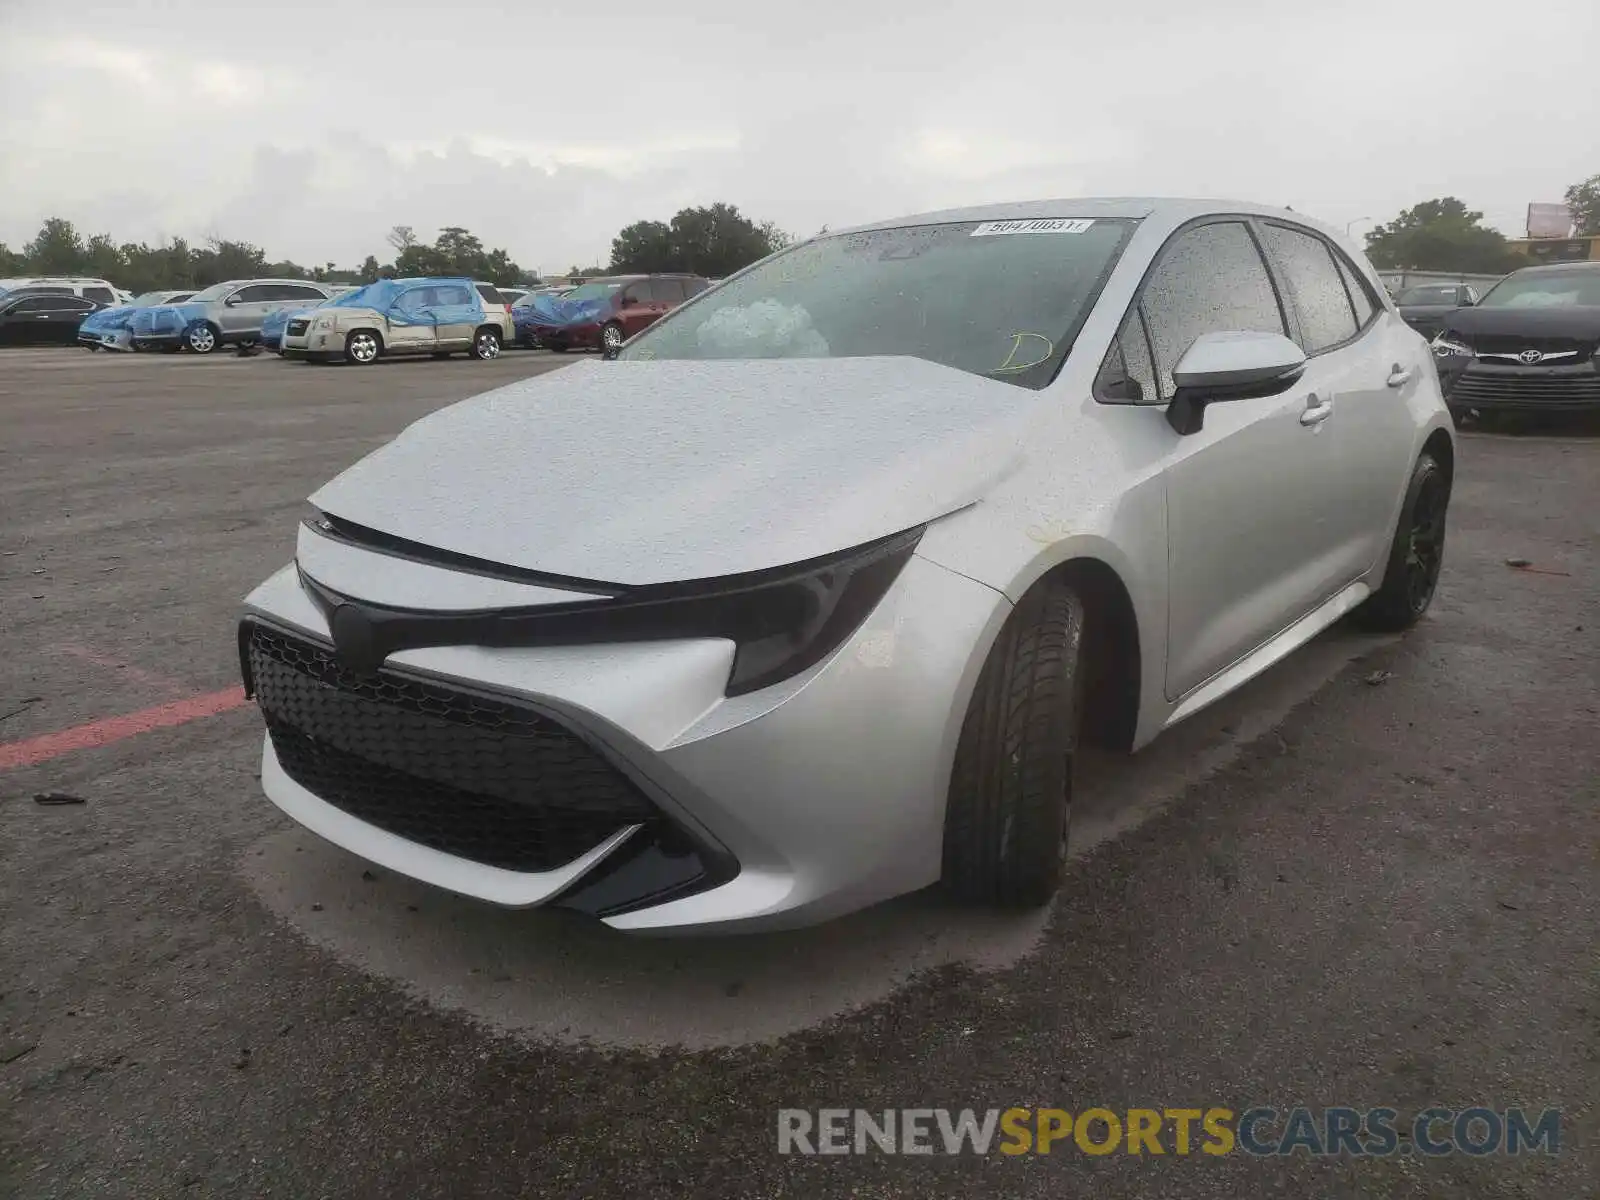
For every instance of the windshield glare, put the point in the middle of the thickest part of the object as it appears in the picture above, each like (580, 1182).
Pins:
(1427, 295)
(146, 298)
(1002, 305)
(1561, 289)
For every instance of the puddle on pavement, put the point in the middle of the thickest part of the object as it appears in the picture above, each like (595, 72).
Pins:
(555, 976)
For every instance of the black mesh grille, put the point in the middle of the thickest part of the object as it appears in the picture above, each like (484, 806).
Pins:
(296, 328)
(483, 779)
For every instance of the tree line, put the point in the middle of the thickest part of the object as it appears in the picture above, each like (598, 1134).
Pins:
(1445, 235)
(713, 241)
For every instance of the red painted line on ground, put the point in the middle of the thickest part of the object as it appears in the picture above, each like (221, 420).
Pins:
(32, 751)
(126, 669)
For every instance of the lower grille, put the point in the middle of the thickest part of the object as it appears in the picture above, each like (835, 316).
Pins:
(1516, 389)
(296, 328)
(483, 779)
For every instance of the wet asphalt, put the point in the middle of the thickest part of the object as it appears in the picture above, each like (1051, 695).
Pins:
(1390, 895)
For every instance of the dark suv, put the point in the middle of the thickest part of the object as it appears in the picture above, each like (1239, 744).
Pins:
(603, 313)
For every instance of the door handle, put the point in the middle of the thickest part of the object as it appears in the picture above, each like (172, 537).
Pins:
(1317, 410)
(1399, 376)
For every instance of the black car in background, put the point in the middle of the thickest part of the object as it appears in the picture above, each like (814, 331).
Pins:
(36, 318)
(1424, 307)
(1528, 346)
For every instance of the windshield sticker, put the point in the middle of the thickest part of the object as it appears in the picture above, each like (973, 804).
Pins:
(1012, 367)
(1041, 225)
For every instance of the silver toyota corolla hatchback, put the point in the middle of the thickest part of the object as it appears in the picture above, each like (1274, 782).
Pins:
(807, 598)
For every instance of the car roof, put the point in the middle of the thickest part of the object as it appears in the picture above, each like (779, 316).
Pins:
(1173, 211)
(1557, 268)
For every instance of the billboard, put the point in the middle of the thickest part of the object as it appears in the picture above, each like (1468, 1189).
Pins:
(1549, 221)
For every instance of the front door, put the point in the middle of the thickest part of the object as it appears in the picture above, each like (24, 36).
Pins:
(410, 321)
(1247, 527)
(241, 314)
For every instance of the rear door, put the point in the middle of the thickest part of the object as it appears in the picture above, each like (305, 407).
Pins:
(668, 294)
(459, 310)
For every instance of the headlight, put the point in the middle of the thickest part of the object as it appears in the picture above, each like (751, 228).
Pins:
(323, 322)
(780, 621)
(1449, 345)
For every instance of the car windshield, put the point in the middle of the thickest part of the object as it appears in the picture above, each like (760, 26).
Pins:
(593, 291)
(1427, 295)
(1003, 299)
(1558, 289)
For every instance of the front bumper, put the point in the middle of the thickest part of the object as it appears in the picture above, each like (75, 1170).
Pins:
(1497, 387)
(781, 807)
(583, 336)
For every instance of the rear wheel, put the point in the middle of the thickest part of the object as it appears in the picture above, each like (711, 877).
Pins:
(1415, 555)
(1010, 803)
(362, 347)
(611, 337)
(486, 344)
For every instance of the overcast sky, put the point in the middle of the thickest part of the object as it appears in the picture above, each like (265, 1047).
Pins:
(311, 128)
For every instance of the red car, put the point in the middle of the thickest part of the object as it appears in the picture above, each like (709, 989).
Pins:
(602, 313)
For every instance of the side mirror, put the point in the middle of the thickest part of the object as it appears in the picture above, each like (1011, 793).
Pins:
(1231, 365)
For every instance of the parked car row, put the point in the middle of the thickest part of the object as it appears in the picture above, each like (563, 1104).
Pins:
(603, 313)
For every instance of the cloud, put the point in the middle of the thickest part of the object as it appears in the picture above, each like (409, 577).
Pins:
(546, 131)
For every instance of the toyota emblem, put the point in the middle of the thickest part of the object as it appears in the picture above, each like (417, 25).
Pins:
(1531, 356)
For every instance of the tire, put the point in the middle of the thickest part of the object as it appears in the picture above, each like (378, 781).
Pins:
(1010, 803)
(202, 338)
(611, 337)
(363, 347)
(1416, 554)
(486, 344)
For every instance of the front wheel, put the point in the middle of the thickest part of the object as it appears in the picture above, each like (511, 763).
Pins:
(486, 344)
(362, 347)
(202, 338)
(1415, 555)
(1010, 804)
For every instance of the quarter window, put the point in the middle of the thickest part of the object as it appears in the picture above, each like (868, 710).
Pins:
(1360, 292)
(1128, 375)
(1326, 318)
(1210, 279)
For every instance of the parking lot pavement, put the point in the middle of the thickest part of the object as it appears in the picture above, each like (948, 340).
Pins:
(1368, 879)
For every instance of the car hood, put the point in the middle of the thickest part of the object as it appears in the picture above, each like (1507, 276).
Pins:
(1577, 323)
(653, 472)
(1426, 310)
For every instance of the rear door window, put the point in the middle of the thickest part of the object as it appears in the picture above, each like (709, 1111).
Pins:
(1320, 298)
(667, 291)
(99, 295)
